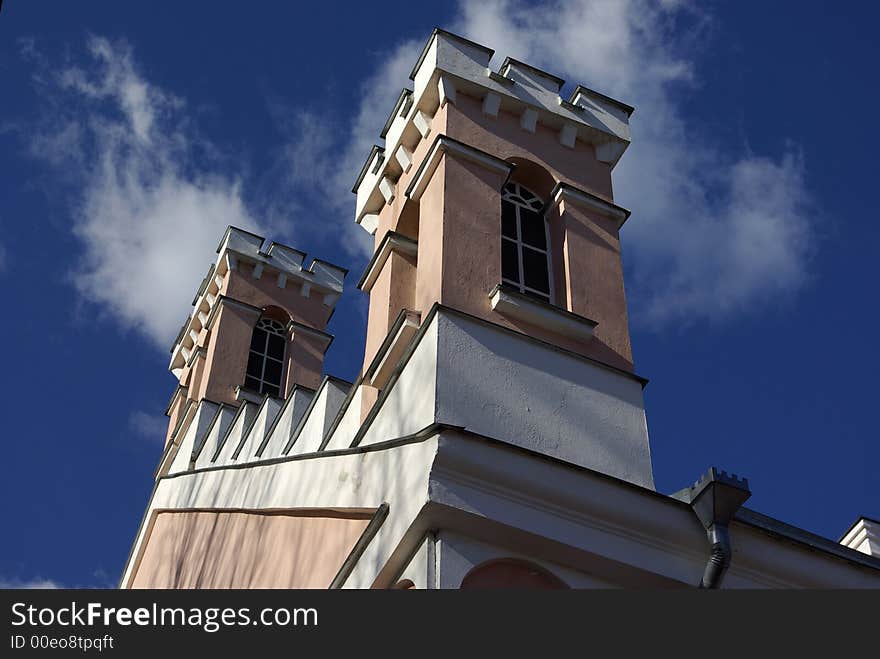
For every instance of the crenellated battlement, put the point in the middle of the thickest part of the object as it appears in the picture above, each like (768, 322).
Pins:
(276, 260)
(450, 65)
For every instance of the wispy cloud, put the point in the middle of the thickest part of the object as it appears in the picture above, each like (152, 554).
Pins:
(323, 158)
(716, 228)
(148, 426)
(37, 583)
(147, 216)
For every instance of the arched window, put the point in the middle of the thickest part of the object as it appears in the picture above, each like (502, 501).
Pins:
(525, 253)
(266, 358)
(511, 573)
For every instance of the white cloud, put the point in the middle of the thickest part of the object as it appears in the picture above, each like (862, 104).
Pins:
(147, 218)
(318, 158)
(29, 584)
(149, 426)
(712, 232)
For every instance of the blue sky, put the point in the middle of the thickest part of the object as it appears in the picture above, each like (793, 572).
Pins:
(132, 133)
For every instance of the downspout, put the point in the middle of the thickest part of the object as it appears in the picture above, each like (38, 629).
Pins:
(715, 498)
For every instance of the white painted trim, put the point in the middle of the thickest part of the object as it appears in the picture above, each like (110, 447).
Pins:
(528, 120)
(381, 374)
(422, 122)
(282, 280)
(567, 135)
(404, 158)
(386, 187)
(491, 104)
(370, 222)
(391, 243)
(590, 201)
(442, 145)
(446, 90)
(864, 536)
(449, 67)
(257, 271)
(522, 307)
(309, 331)
(520, 246)
(242, 394)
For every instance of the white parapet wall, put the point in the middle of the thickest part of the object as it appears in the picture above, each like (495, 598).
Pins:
(467, 373)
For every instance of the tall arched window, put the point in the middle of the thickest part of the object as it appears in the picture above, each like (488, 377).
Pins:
(525, 253)
(266, 358)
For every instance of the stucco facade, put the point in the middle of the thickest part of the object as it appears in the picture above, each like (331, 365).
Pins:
(494, 437)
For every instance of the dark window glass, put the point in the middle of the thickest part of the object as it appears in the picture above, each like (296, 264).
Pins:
(255, 365)
(258, 340)
(508, 220)
(509, 261)
(266, 358)
(276, 347)
(532, 225)
(535, 270)
(273, 372)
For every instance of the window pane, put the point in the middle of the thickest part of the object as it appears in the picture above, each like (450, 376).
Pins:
(272, 372)
(535, 270)
(255, 365)
(258, 340)
(509, 260)
(271, 390)
(508, 220)
(533, 229)
(276, 347)
(252, 384)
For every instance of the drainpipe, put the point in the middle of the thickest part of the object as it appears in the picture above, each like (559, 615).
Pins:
(715, 498)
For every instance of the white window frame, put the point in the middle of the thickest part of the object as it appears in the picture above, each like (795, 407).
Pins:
(275, 327)
(518, 200)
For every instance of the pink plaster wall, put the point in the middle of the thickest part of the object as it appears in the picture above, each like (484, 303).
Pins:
(393, 290)
(459, 259)
(504, 138)
(264, 292)
(234, 549)
(227, 353)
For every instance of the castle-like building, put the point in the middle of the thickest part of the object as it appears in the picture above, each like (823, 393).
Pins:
(496, 434)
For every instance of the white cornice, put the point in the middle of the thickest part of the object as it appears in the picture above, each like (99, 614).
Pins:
(280, 261)
(565, 192)
(392, 242)
(514, 304)
(449, 65)
(442, 145)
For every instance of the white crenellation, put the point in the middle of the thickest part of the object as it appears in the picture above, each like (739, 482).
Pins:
(404, 158)
(422, 122)
(864, 536)
(283, 262)
(528, 120)
(386, 187)
(491, 104)
(446, 90)
(449, 66)
(567, 135)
